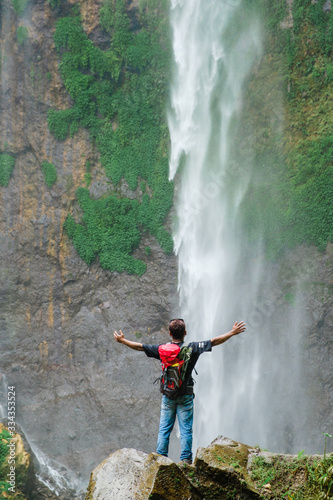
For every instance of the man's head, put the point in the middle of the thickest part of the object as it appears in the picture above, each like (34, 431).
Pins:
(177, 329)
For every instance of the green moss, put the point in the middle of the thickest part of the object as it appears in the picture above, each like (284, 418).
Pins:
(280, 474)
(119, 95)
(7, 163)
(50, 173)
(290, 298)
(19, 6)
(109, 229)
(22, 34)
(5, 438)
(55, 3)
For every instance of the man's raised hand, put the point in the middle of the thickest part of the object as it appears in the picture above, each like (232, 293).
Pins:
(119, 337)
(238, 328)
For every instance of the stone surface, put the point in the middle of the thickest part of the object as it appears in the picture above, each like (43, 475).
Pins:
(222, 468)
(225, 470)
(129, 474)
(74, 384)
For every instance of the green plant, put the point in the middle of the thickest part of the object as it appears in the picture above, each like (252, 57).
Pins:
(109, 229)
(326, 436)
(19, 6)
(87, 175)
(5, 438)
(324, 476)
(7, 163)
(50, 173)
(22, 34)
(54, 3)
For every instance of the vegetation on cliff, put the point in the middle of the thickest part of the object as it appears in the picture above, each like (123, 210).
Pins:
(16, 468)
(285, 135)
(7, 163)
(288, 112)
(50, 173)
(119, 95)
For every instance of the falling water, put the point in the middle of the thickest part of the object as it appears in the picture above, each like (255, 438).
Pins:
(250, 389)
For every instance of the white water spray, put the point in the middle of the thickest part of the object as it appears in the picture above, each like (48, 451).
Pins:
(242, 385)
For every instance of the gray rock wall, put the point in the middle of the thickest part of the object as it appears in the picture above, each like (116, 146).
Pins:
(79, 395)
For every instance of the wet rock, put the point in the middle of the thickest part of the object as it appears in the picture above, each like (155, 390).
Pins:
(327, 7)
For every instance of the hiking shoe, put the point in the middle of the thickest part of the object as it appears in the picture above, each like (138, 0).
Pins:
(187, 461)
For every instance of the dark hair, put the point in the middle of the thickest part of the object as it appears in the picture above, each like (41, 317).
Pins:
(177, 328)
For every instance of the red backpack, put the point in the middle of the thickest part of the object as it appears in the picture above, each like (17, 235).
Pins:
(174, 362)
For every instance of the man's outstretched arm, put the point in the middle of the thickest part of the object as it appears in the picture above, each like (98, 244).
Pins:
(236, 329)
(119, 337)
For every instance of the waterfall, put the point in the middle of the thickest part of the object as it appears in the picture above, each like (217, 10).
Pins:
(251, 388)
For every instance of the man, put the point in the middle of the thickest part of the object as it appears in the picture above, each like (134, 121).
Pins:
(182, 406)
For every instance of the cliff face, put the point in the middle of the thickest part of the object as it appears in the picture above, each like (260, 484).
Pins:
(76, 399)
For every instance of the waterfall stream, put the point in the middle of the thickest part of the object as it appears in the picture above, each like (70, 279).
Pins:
(252, 388)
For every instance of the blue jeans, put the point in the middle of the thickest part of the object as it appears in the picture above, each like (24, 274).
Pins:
(183, 408)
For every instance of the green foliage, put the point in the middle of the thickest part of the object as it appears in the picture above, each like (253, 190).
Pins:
(5, 438)
(327, 435)
(54, 3)
(119, 95)
(329, 71)
(7, 163)
(281, 476)
(50, 173)
(325, 480)
(109, 228)
(22, 34)
(290, 194)
(19, 6)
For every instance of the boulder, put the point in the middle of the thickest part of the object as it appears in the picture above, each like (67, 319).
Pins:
(221, 471)
(129, 474)
(225, 470)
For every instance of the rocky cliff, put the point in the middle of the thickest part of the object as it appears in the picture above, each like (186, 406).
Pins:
(75, 393)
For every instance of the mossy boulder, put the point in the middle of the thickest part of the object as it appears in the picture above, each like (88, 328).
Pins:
(221, 471)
